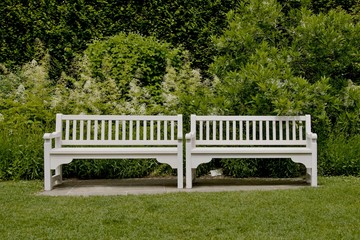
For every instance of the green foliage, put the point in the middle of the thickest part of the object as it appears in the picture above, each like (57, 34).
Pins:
(307, 66)
(189, 23)
(125, 57)
(25, 115)
(340, 156)
(25, 95)
(327, 45)
(283, 57)
(21, 153)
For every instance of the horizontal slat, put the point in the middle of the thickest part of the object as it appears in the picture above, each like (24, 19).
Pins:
(119, 142)
(119, 117)
(251, 142)
(114, 150)
(250, 118)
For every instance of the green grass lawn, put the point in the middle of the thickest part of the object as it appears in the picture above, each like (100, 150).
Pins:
(331, 211)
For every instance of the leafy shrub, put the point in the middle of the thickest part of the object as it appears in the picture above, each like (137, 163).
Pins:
(265, 67)
(327, 45)
(25, 115)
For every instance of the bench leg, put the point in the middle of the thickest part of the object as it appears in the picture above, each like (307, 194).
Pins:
(47, 168)
(58, 173)
(47, 179)
(180, 176)
(188, 177)
(193, 174)
(188, 166)
(314, 177)
(311, 176)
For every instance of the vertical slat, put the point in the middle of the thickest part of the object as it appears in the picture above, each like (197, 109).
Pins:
(234, 130)
(207, 130)
(67, 129)
(281, 130)
(109, 130)
(145, 130)
(287, 130)
(158, 130)
(117, 130)
(220, 130)
(102, 129)
(214, 130)
(172, 130)
(88, 134)
(301, 136)
(96, 125)
(81, 129)
(241, 130)
(74, 130)
(267, 131)
(201, 130)
(227, 130)
(274, 130)
(138, 130)
(247, 130)
(131, 125)
(254, 130)
(123, 128)
(294, 130)
(152, 130)
(165, 130)
(261, 130)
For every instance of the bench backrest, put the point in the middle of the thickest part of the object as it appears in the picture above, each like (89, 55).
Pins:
(119, 130)
(250, 130)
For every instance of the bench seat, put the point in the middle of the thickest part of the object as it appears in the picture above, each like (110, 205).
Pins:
(250, 150)
(112, 151)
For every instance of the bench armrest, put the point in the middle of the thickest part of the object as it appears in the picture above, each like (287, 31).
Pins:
(312, 136)
(189, 136)
(50, 136)
(180, 137)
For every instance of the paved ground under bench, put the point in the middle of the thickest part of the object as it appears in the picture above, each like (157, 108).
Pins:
(108, 187)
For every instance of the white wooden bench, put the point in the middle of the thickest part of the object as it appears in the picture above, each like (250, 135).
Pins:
(251, 137)
(112, 137)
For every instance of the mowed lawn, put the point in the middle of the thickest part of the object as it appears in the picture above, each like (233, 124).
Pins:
(331, 211)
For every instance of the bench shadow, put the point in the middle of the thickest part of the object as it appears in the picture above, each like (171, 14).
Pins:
(171, 182)
(228, 181)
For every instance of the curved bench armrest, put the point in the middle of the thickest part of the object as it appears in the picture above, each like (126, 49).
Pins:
(312, 136)
(51, 135)
(189, 136)
(180, 137)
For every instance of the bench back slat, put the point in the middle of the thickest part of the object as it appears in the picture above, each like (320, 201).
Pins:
(250, 130)
(119, 130)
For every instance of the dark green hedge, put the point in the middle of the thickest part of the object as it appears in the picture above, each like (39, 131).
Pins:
(66, 27)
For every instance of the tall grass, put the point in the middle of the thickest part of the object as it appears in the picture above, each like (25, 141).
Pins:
(21, 153)
(340, 155)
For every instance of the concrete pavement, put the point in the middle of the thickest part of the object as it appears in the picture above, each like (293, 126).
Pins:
(161, 185)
